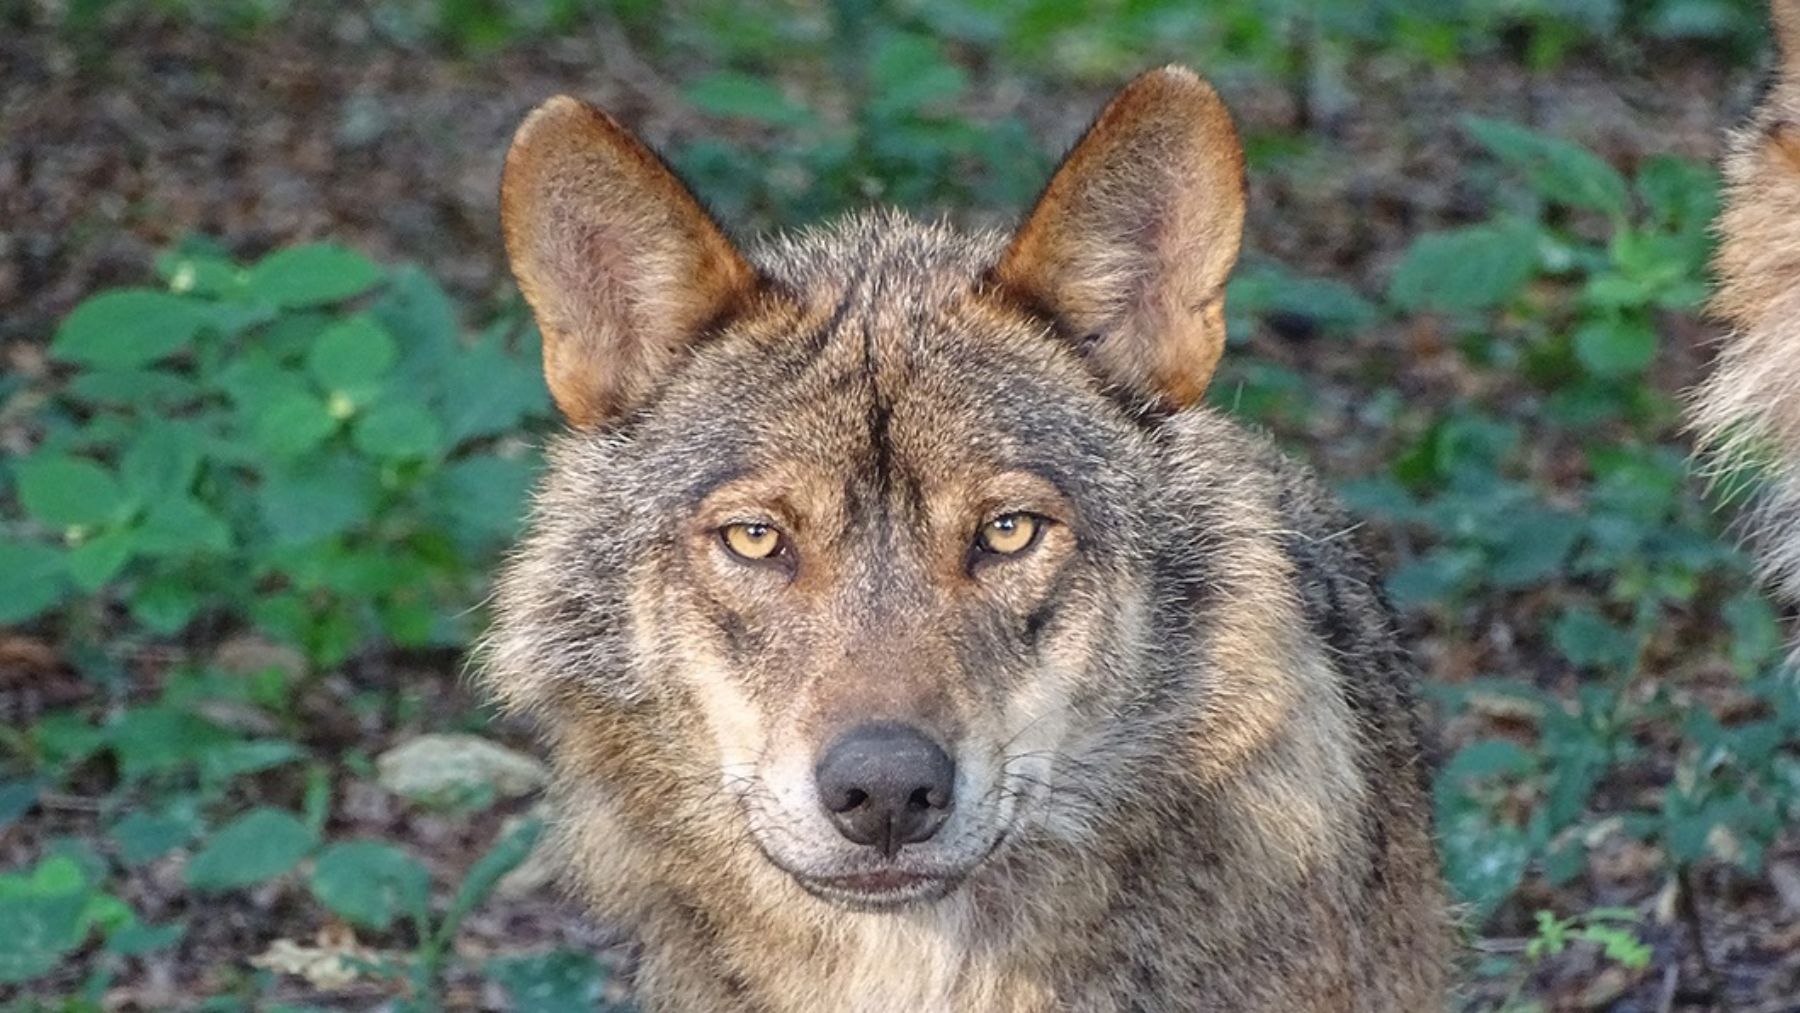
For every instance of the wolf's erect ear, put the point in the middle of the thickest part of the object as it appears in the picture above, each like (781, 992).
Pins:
(621, 264)
(1131, 242)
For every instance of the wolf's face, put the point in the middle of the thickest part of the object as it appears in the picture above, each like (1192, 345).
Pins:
(851, 536)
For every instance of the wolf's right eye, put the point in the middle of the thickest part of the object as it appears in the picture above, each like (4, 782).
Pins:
(752, 541)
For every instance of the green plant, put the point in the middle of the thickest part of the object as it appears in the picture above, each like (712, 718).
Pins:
(1607, 929)
(304, 444)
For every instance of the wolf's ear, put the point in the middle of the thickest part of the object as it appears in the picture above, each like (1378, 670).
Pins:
(1130, 244)
(621, 264)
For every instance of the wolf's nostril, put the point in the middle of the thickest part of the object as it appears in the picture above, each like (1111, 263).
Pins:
(886, 785)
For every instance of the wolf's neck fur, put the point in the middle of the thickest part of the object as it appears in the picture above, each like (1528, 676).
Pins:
(1234, 857)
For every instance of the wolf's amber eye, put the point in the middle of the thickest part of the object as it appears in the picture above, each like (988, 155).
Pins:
(1007, 535)
(751, 540)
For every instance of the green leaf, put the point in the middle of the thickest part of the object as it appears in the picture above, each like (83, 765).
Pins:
(232, 759)
(33, 577)
(1616, 348)
(259, 845)
(313, 275)
(1559, 171)
(1586, 639)
(162, 461)
(505, 856)
(143, 836)
(291, 422)
(134, 388)
(486, 391)
(99, 559)
(351, 358)
(165, 603)
(44, 915)
(727, 93)
(1465, 270)
(561, 981)
(909, 73)
(135, 938)
(484, 498)
(307, 504)
(65, 492)
(1483, 860)
(1486, 758)
(129, 327)
(368, 883)
(181, 526)
(160, 740)
(398, 429)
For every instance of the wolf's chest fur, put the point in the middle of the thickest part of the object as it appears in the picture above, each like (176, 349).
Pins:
(908, 635)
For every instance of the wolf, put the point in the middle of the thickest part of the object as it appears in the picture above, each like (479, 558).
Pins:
(908, 636)
(1749, 408)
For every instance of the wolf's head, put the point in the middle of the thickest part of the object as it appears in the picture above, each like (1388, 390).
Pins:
(852, 552)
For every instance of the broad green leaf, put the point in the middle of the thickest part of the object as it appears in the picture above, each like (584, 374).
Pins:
(1616, 348)
(259, 845)
(351, 358)
(1488, 758)
(203, 274)
(33, 577)
(368, 883)
(1561, 172)
(1474, 268)
(728, 93)
(43, 916)
(135, 938)
(162, 461)
(398, 429)
(129, 327)
(483, 497)
(1483, 860)
(232, 759)
(291, 422)
(505, 856)
(313, 275)
(99, 559)
(909, 73)
(64, 492)
(306, 504)
(160, 739)
(143, 836)
(1587, 639)
(418, 314)
(181, 526)
(561, 981)
(165, 603)
(131, 387)
(486, 391)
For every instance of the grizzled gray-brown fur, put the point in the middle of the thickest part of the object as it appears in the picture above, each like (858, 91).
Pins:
(907, 637)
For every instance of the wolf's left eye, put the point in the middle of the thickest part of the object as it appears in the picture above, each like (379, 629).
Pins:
(1009, 534)
(752, 541)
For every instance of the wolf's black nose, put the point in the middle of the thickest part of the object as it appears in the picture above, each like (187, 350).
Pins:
(885, 784)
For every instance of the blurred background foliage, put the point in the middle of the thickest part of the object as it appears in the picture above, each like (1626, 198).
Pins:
(272, 409)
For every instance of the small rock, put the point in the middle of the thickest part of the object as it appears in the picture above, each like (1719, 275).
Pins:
(449, 767)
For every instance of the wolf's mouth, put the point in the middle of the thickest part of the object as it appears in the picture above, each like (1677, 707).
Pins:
(885, 888)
